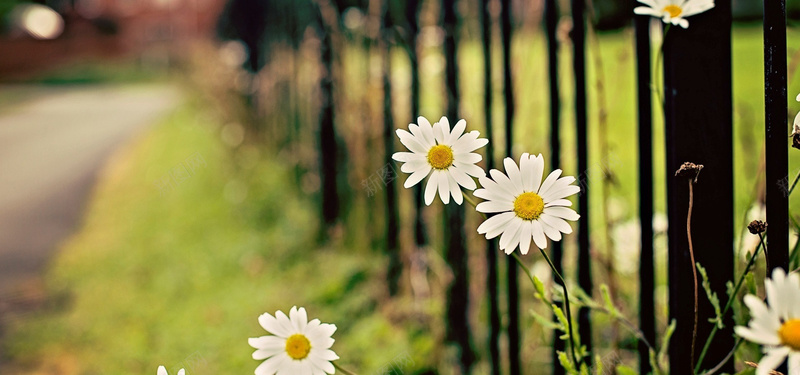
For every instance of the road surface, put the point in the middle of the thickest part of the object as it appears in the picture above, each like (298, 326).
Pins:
(52, 144)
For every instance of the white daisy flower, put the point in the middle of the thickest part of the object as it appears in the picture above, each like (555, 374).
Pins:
(163, 371)
(674, 11)
(296, 346)
(777, 326)
(447, 156)
(526, 209)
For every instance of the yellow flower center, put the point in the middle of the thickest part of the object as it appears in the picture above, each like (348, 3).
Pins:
(528, 206)
(297, 346)
(790, 334)
(440, 157)
(673, 10)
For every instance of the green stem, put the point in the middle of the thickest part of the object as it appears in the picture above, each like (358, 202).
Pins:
(729, 304)
(343, 371)
(659, 57)
(566, 299)
(472, 202)
(796, 178)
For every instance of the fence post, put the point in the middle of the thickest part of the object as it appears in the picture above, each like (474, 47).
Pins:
(395, 268)
(698, 110)
(458, 330)
(511, 265)
(777, 146)
(492, 251)
(551, 25)
(584, 256)
(646, 267)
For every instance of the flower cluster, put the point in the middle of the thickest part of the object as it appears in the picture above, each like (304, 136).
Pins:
(526, 208)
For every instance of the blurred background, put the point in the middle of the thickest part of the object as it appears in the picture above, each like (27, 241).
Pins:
(171, 169)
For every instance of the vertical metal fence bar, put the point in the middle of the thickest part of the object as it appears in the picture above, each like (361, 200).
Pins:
(646, 267)
(777, 147)
(551, 25)
(412, 15)
(699, 121)
(584, 257)
(458, 330)
(511, 265)
(491, 245)
(395, 267)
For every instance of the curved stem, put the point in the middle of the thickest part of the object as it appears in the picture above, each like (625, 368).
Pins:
(566, 299)
(729, 304)
(345, 372)
(726, 359)
(694, 267)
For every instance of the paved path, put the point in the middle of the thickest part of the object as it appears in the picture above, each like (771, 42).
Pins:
(52, 145)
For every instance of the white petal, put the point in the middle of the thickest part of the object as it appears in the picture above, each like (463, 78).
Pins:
(455, 190)
(271, 325)
(494, 206)
(549, 181)
(417, 176)
(181, 372)
(284, 321)
(756, 337)
(411, 143)
(463, 179)
(299, 318)
(526, 170)
(560, 192)
(271, 365)
(427, 129)
(444, 125)
(420, 136)
(772, 360)
(491, 191)
(509, 233)
(494, 232)
(267, 342)
(513, 173)
(470, 169)
(647, 11)
(525, 237)
(495, 222)
(556, 222)
(504, 183)
(558, 202)
(562, 212)
(444, 187)
(431, 187)
(325, 354)
(469, 157)
(538, 235)
(408, 157)
(458, 130)
(551, 233)
(537, 172)
(161, 370)
(414, 166)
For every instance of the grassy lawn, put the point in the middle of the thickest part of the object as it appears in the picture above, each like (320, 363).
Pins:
(177, 276)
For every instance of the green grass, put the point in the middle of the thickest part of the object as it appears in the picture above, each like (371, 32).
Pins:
(154, 279)
(181, 277)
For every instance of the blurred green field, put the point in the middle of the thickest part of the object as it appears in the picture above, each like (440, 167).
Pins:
(178, 278)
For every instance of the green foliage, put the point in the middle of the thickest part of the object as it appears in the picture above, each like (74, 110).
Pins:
(712, 297)
(625, 370)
